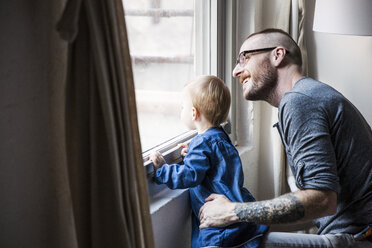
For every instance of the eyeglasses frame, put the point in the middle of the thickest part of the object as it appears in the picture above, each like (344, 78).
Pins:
(253, 51)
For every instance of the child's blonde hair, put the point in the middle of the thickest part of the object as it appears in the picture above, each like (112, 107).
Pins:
(211, 97)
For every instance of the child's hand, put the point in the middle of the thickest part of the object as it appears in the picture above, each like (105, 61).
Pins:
(184, 150)
(157, 159)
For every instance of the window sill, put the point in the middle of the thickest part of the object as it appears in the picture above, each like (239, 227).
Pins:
(171, 153)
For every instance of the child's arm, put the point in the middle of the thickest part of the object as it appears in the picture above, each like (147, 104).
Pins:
(158, 160)
(189, 174)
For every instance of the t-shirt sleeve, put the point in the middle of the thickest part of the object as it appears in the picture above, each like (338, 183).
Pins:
(306, 131)
(189, 174)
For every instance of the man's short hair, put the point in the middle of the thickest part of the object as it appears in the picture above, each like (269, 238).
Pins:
(211, 97)
(278, 37)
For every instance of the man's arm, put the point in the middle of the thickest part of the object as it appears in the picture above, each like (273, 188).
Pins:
(299, 206)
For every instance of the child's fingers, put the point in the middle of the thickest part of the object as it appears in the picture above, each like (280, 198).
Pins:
(152, 156)
(155, 156)
(182, 145)
(184, 152)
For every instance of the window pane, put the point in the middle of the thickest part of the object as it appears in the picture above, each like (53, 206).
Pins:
(161, 42)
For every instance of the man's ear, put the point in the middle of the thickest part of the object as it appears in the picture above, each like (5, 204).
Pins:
(279, 54)
(195, 113)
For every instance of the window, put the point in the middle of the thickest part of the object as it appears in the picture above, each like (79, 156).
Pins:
(171, 42)
(161, 37)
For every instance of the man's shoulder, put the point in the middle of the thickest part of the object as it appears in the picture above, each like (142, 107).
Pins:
(297, 101)
(308, 87)
(308, 92)
(305, 88)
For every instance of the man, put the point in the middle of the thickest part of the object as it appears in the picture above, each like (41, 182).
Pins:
(328, 145)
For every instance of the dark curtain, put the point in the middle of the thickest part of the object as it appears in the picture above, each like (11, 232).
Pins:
(105, 168)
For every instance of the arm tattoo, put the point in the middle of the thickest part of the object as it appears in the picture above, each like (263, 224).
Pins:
(284, 209)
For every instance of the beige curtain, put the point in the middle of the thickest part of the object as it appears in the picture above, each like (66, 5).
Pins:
(288, 15)
(100, 178)
(291, 18)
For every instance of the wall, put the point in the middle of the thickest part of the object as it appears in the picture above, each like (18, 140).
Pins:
(171, 218)
(343, 62)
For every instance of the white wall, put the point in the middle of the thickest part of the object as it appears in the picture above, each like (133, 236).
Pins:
(342, 61)
(171, 218)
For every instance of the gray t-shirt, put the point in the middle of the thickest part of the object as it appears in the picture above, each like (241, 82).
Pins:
(329, 146)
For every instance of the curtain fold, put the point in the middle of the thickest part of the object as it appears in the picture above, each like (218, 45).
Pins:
(288, 16)
(301, 35)
(105, 168)
(291, 18)
(61, 227)
(283, 21)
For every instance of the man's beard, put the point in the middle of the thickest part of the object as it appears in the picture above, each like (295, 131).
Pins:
(263, 83)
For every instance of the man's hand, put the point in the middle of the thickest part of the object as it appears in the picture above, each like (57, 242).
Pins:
(218, 211)
(157, 159)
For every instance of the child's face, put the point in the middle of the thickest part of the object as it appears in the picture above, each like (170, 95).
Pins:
(186, 111)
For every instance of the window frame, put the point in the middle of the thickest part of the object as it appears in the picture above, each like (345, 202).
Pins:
(215, 55)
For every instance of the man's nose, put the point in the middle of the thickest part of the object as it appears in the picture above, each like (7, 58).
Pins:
(237, 71)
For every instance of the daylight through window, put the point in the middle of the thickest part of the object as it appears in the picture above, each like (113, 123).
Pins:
(161, 41)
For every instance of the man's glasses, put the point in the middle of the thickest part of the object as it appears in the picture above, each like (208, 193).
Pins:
(242, 56)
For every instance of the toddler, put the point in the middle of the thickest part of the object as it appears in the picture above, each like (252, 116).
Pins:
(211, 164)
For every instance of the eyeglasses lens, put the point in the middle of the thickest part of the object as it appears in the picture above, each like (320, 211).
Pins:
(241, 59)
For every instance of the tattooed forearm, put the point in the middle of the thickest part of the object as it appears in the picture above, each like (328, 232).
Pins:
(284, 209)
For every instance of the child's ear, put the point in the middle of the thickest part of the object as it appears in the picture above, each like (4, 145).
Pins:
(195, 113)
